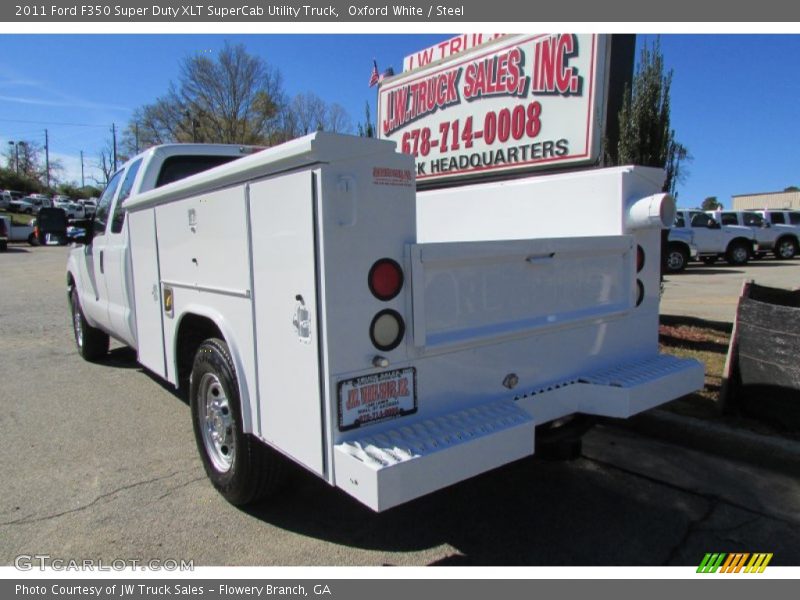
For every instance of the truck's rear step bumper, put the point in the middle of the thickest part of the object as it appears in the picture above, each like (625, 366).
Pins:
(392, 466)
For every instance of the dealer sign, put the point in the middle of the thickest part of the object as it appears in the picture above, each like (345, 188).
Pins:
(518, 103)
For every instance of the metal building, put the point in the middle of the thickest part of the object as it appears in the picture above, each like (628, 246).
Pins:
(765, 200)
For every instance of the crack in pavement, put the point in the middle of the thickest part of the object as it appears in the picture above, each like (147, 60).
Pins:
(27, 520)
(177, 487)
(691, 526)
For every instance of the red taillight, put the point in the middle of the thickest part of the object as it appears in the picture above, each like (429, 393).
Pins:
(385, 279)
(639, 258)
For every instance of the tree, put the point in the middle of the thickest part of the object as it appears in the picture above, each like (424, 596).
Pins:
(366, 129)
(310, 113)
(234, 99)
(27, 159)
(646, 137)
(337, 120)
(792, 188)
(711, 203)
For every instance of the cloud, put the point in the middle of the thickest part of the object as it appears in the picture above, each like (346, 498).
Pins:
(67, 102)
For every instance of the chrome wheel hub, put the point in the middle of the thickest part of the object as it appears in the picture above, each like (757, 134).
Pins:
(77, 326)
(217, 423)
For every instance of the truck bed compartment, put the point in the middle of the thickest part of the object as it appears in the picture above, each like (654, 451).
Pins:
(467, 291)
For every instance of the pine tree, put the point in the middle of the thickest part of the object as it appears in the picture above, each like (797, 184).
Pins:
(646, 136)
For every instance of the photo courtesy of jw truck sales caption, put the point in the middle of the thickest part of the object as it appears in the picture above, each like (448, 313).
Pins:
(383, 314)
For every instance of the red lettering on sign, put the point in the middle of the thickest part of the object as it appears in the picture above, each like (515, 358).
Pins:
(551, 71)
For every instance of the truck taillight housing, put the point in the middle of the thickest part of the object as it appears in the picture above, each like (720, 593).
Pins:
(639, 292)
(385, 279)
(387, 329)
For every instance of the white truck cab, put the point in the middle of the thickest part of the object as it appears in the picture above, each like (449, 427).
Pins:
(734, 243)
(316, 308)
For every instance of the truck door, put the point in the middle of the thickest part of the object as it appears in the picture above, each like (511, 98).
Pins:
(709, 238)
(117, 263)
(97, 308)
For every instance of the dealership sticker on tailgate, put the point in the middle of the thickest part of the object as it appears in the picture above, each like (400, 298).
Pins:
(377, 397)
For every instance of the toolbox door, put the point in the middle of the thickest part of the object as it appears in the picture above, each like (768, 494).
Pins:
(283, 233)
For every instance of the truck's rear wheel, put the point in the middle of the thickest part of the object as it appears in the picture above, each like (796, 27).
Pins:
(241, 468)
(92, 342)
(738, 254)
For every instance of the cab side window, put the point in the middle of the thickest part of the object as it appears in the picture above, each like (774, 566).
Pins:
(729, 219)
(701, 220)
(753, 220)
(104, 204)
(124, 191)
(778, 218)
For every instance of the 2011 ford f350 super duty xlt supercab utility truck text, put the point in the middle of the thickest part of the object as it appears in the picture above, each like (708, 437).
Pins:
(314, 307)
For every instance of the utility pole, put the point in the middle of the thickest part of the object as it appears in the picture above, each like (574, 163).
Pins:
(83, 184)
(47, 159)
(114, 143)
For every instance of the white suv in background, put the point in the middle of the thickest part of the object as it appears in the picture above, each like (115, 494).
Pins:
(781, 240)
(714, 241)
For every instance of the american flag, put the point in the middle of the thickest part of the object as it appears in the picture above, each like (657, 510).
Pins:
(374, 78)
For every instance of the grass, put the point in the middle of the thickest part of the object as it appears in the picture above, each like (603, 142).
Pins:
(707, 341)
(17, 219)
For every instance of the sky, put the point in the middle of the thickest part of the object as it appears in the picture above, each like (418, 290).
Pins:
(735, 98)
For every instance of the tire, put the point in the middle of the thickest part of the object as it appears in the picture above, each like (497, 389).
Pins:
(785, 249)
(92, 343)
(3, 246)
(677, 258)
(709, 260)
(240, 467)
(738, 254)
(33, 240)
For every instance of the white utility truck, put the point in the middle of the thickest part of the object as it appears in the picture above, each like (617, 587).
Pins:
(313, 309)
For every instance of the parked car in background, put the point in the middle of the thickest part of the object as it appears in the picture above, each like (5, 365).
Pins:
(73, 209)
(781, 217)
(31, 204)
(5, 199)
(17, 233)
(714, 241)
(780, 239)
(3, 235)
(89, 206)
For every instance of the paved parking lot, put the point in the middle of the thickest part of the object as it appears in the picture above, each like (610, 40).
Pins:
(99, 461)
(712, 292)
